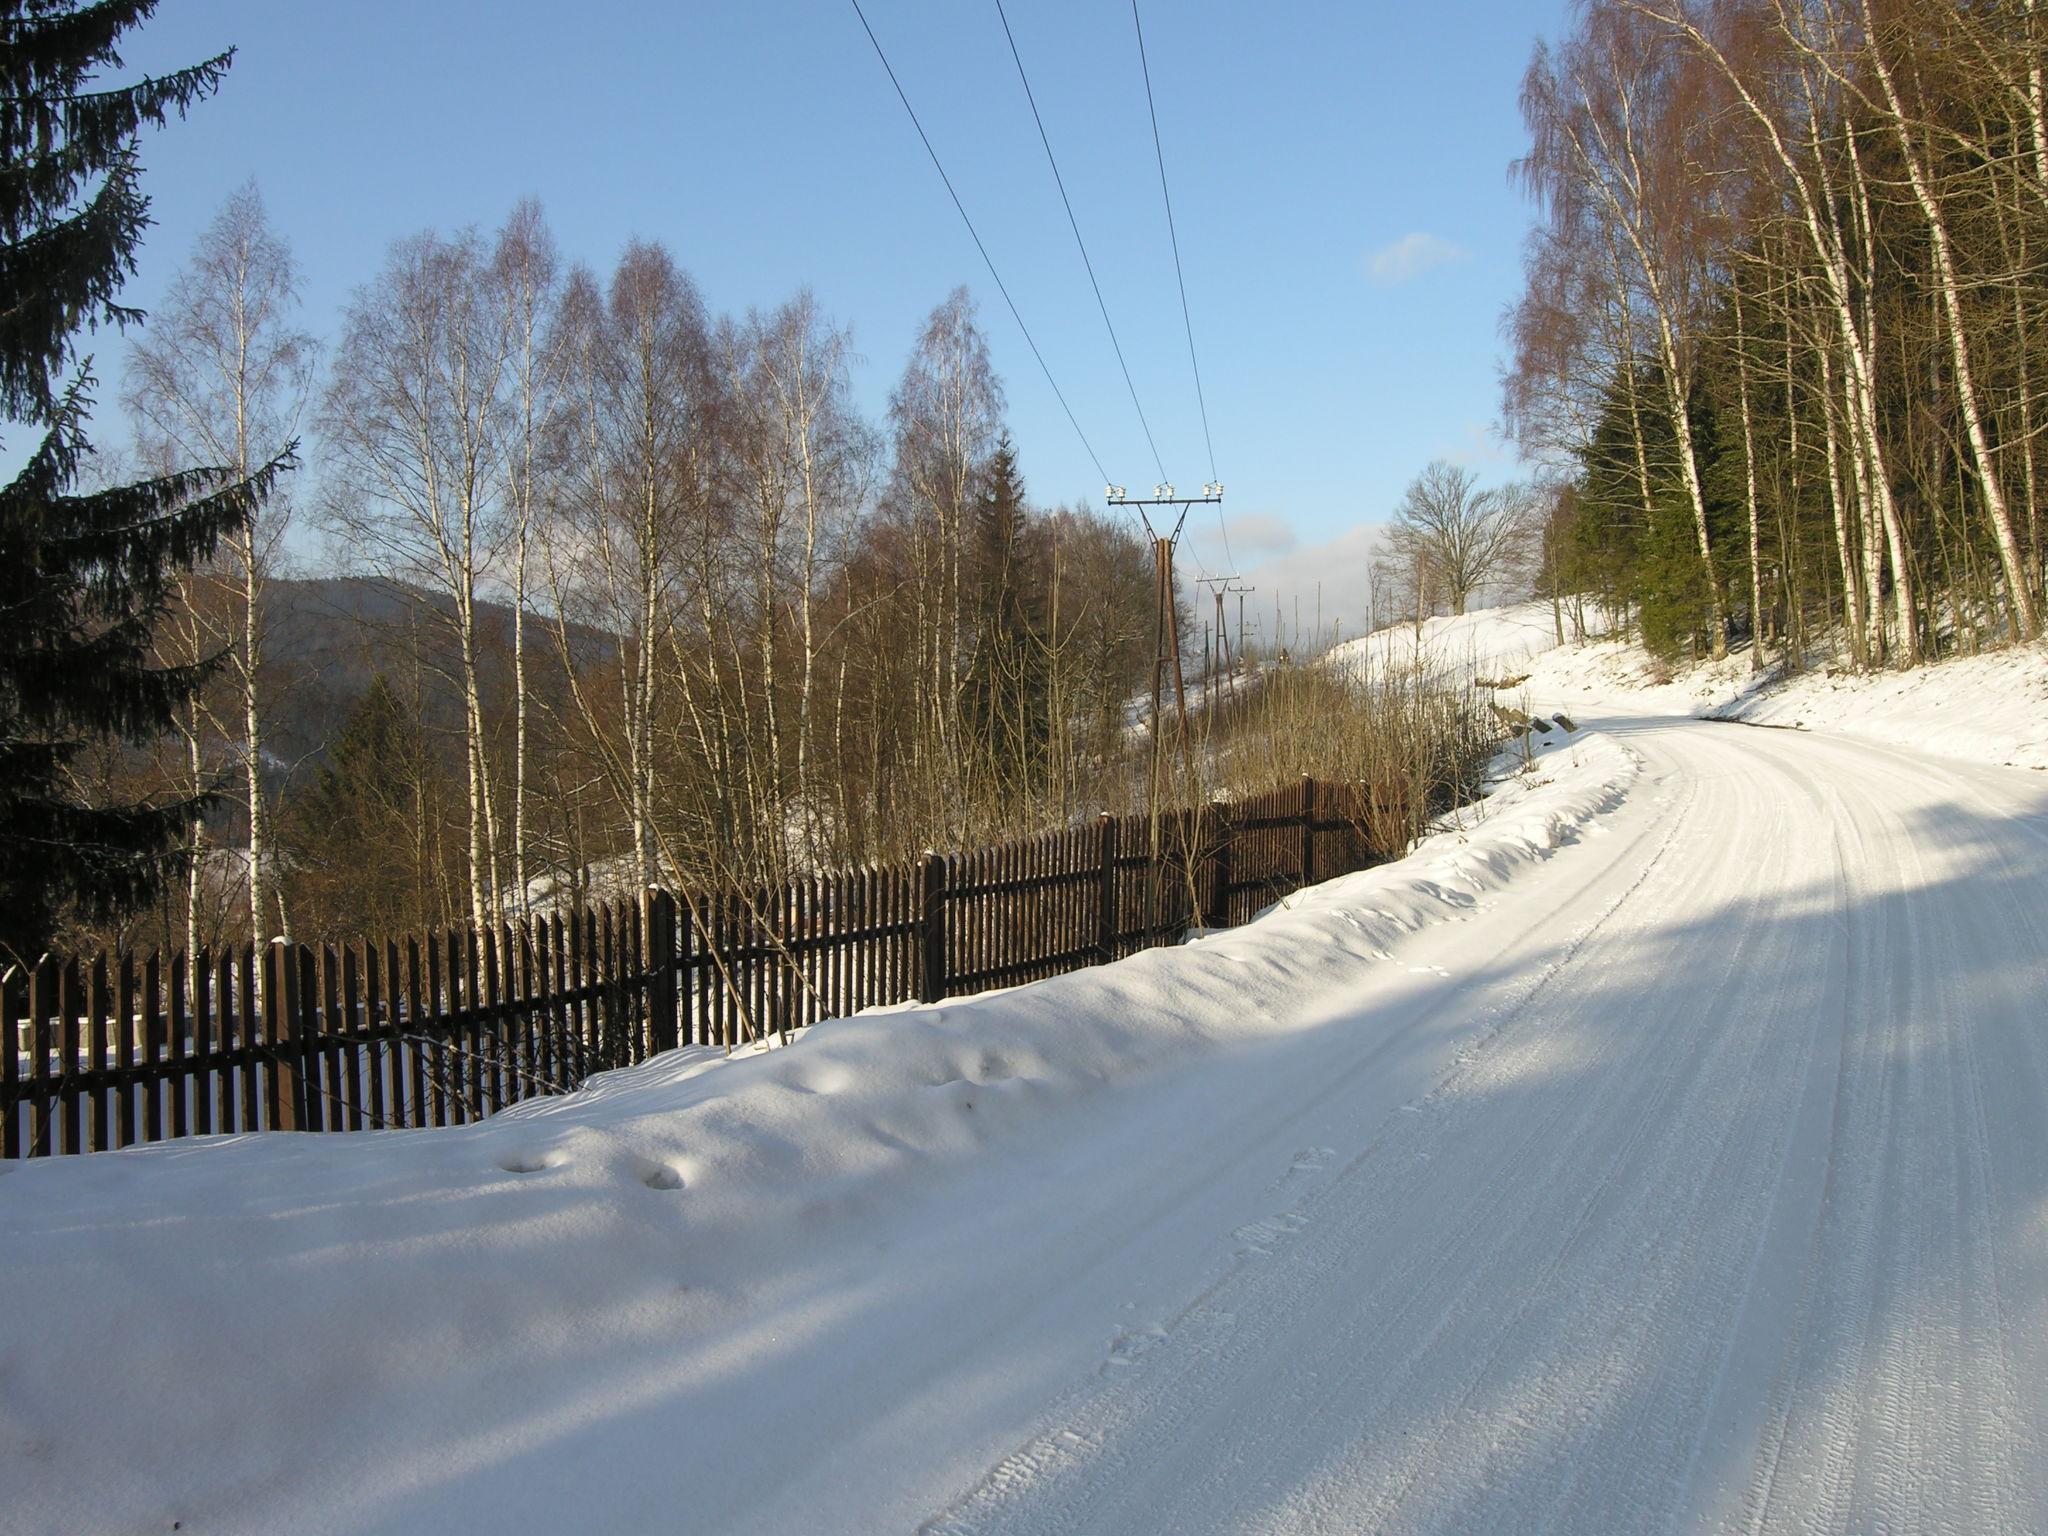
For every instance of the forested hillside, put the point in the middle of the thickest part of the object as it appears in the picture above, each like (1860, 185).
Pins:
(1782, 341)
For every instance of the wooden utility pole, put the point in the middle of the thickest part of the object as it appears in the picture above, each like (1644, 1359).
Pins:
(1166, 651)
(1166, 621)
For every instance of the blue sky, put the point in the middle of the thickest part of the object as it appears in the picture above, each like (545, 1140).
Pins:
(1339, 175)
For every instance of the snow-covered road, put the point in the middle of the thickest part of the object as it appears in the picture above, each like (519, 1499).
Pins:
(1690, 1173)
(1738, 1220)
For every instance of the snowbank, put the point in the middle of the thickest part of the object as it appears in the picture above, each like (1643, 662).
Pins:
(1490, 642)
(1987, 709)
(454, 1328)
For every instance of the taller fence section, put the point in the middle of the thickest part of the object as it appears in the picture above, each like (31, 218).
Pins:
(445, 1028)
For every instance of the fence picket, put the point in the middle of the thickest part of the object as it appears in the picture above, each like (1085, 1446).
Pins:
(14, 1015)
(183, 1078)
(152, 1076)
(45, 1002)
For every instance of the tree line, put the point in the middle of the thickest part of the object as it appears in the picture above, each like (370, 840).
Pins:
(683, 613)
(1784, 318)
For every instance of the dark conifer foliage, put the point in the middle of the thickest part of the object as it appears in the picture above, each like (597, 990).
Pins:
(83, 577)
(1004, 691)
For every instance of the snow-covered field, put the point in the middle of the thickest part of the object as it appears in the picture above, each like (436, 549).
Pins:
(1662, 1149)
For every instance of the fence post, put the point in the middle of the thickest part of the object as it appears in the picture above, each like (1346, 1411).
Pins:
(14, 1014)
(688, 1032)
(931, 979)
(1105, 896)
(659, 911)
(1308, 829)
(287, 1060)
(1216, 904)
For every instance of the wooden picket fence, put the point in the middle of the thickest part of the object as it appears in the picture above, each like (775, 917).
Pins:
(446, 1028)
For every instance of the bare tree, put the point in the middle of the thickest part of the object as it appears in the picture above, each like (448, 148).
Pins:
(636, 395)
(415, 420)
(803, 459)
(221, 377)
(1456, 538)
(946, 412)
(524, 273)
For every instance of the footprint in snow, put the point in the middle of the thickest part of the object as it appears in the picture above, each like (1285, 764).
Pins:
(1132, 1345)
(532, 1162)
(662, 1176)
(1262, 1237)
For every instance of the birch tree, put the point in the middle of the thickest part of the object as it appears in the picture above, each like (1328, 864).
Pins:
(524, 275)
(416, 426)
(221, 376)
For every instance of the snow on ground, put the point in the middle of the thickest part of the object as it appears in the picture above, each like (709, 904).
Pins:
(1489, 642)
(1989, 709)
(512, 1325)
(1662, 1149)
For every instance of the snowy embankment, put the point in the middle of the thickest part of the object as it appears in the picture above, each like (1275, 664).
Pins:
(510, 1325)
(1986, 709)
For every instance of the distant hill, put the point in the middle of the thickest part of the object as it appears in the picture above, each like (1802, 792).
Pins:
(326, 638)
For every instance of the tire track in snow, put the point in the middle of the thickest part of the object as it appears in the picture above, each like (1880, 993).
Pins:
(1782, 1193)
(1905, 1438)
(1439, 1282)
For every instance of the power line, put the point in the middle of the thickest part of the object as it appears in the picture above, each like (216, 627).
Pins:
(1075, 225)
(992, 272)
(1159, 152)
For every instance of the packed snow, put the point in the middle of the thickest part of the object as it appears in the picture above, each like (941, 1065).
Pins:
(1661, 1147)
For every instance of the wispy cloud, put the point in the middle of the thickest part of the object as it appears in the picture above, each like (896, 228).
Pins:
(1411, 256)
(1480, 447)
(1261, 533)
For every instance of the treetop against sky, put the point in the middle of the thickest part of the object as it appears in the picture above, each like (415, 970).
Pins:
(1339, 174)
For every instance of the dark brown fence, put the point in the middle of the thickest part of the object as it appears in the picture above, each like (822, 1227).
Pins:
(445, 1029)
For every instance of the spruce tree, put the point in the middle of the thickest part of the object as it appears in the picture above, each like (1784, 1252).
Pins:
(361, 835)
(84, 577)
(1006, 682)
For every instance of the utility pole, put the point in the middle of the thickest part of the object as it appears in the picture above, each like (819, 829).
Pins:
(1240, 624)
(1165, 623)
(1218, 585)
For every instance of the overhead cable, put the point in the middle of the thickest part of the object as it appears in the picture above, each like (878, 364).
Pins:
(1001, 287)
(1075, 225)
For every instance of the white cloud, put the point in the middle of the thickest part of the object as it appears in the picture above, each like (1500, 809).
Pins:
(1411, 256)
(1334, 574)
(1253, 536)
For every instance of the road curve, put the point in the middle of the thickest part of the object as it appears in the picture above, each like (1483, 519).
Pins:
(1735, 1218)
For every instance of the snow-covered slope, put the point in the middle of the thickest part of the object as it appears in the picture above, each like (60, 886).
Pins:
(1488, 642)
(1988, 709)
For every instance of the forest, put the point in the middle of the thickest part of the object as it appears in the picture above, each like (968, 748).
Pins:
(1783, 323)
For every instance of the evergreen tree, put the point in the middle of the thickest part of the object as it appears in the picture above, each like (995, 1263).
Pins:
(365, 836)
(83, 577)
(1006, 680)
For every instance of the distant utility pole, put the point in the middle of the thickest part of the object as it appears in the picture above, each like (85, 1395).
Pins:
(1217, 584)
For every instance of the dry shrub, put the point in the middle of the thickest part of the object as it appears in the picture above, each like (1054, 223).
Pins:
(1418, 742)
